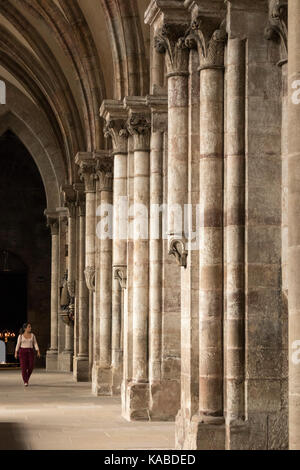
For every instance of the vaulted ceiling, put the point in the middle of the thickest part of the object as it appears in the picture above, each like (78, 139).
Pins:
(61, 58)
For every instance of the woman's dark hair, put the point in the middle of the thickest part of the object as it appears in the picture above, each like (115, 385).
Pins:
(23, 328)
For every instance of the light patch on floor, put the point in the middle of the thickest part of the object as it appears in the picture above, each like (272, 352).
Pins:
(55, 413)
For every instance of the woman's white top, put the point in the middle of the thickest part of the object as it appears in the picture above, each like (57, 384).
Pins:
(27, 342)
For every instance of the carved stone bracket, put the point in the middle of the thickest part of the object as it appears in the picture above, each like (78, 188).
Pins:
(177, 249)
(276, 29)
(90, 278)
(120, 274)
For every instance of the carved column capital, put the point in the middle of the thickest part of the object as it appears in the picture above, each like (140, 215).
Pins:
(105, 173)
(139, 121)
(277, 30)
(170, 39)
(208, 35)
(52, 221)
(90, 278)
(120, 274)
(115, 116)
(87, 168)
(79, 189)
(158, 105)
(69, 199)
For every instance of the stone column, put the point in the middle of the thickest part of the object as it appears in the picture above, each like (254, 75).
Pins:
(235, 235)
(115, 116)
(81, 361)
(170, 40)
(139, 127)
(52, 353)
(102, 379)
(160, 402)
(210, 39)
(70, 203)
(87, 165)
(294, 222)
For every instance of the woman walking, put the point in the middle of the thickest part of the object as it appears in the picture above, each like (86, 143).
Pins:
(25, 346)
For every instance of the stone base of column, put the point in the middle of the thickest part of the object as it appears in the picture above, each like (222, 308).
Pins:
(101, 381)
(164, 400)
(65, 361)
(51, 360)
(237, 435)
(81, 371)
(136, 401)
(201, 433)
(117, 377)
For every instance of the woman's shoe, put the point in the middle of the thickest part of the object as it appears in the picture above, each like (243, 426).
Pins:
(26, 385)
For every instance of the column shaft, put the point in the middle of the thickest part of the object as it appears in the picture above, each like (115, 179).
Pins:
(211, 243)
(235, 230)
(294, 222)
(140, 266)
(155, 272)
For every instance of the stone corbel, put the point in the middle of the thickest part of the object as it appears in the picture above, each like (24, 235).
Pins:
(120, 274)
(177, 249)
(277, 30)
(90, 275)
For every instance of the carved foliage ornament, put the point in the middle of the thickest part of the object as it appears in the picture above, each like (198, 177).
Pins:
(104, 171)
(209, 41)
(277, 26)
(171, 40)
(139, 125)
(116, 130)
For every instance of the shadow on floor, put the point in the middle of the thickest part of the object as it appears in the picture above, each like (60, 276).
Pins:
(12, 437)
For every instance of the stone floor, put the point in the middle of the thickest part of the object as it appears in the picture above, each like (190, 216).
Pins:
(54, 413)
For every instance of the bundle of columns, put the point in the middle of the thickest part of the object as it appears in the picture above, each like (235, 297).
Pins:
(192, 332)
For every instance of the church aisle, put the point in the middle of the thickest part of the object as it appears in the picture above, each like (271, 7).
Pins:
(54, 413)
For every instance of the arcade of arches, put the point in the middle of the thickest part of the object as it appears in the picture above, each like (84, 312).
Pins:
(174, 102)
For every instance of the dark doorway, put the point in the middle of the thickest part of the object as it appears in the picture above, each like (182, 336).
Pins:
(13, 295)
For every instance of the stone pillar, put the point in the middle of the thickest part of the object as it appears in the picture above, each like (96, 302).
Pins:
(164, 391)
(235, 238)
(170, 24)
(66, 359)
(115, 116)
(138, 389)
(81, 361)
(87, 165)
(294, 222)
(102, 379)
(170, 40)
(51, 356)
(209, 37)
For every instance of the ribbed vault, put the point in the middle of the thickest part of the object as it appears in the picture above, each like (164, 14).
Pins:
(67, 56)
